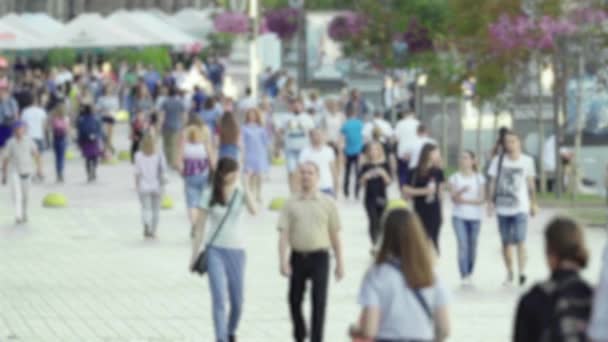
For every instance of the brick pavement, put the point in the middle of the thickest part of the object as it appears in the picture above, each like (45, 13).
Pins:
(83, 273)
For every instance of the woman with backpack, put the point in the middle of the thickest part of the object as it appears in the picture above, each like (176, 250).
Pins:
(218, 225)
(402, 297)
(150, 173)
(467, 190)
(89, 138)
(60, 129)
(425, 189)
(558, 309)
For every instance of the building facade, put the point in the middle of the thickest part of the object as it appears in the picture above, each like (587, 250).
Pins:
(67, 9)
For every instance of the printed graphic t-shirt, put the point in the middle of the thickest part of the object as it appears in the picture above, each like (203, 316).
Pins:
(512, 196)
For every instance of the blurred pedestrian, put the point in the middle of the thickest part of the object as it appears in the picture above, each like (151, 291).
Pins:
(375, 178)
(218, 224)
(467, 190)
(513, 198)
(255, 143)
(426, 188)
(22, 156)
(194, 163)
(558, 309)
(352, 131)
(598, 328)
(309, 227)
(60, 131)
(89, 138)
(174, 117)
(150, 176)
(402, 297)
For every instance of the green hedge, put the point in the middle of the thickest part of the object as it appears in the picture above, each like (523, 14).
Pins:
(158, 57)
(59, 57)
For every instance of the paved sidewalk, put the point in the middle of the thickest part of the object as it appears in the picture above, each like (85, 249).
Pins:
(84, 274)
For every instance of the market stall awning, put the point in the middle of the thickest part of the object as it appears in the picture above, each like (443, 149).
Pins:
(152, 27)
(42, 22)
(14, 39)
(198, 23)
(93, 31)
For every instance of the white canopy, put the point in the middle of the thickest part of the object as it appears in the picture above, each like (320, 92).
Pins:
(151, 26)
(198, 23)
(42, 22)
(92, 31)
(13, 39)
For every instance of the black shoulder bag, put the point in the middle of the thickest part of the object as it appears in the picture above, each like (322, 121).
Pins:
(200, 265)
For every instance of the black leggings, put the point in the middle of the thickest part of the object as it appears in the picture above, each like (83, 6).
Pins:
(352, 163)
(91, 167)
(375, 207)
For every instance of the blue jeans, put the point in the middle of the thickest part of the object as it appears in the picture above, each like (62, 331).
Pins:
(226, 268)
(467, 233)
(513, 228)
(194, 186)
(59, 146)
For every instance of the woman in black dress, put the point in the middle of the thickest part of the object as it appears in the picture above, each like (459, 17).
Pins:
(375, 177)
(425, 189)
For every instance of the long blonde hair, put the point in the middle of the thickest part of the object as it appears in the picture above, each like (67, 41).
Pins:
(148, 145)
(195, 134)
(405, 240)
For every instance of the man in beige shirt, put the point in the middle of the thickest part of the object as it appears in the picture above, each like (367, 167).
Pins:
(309, 227)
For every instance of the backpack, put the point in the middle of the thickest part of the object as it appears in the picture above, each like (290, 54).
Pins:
(60, 127)
(88, 128)
(570, 314)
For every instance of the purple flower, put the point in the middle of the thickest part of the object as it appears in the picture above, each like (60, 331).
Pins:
(346, 26)
(417, 37)
(283, 22)
(231, 22)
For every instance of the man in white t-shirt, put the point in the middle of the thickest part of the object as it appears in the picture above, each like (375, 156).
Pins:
(298, 125)
(405, 134)
(35, 118)
(378, 125)
(325, 158)
(416, 146)
(246, 103)
(513, 198)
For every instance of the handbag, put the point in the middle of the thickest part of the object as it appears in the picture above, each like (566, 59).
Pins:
(200, 265)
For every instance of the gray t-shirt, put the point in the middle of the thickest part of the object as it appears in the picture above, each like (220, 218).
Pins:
(174, 109)
(20, 154)
(401, 314)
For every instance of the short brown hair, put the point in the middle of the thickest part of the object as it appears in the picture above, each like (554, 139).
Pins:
(565, 239)
(405, 240)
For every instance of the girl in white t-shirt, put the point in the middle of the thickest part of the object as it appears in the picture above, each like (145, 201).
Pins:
(468, 196)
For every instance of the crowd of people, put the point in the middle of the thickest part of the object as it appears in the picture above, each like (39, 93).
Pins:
(333, 148)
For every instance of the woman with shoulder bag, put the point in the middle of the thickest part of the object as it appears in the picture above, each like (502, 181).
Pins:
(403, 299)
(150, 171)
(218, 224)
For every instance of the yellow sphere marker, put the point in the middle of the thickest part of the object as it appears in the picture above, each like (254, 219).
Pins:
(277, 204)
(55, 200)
(167, 202)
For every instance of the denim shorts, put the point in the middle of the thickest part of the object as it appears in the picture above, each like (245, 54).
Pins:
(513, 228)
(194, 189)
(292, 158)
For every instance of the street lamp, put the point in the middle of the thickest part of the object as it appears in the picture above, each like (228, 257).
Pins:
(421, 81)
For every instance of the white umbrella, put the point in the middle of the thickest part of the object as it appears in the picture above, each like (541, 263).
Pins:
(92, 31)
